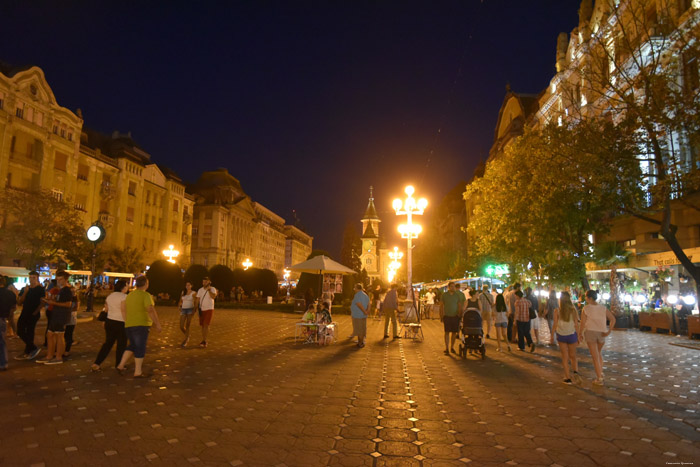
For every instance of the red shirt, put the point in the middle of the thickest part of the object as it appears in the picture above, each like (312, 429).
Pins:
(522, 309)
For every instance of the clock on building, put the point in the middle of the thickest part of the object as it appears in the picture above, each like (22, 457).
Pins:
(95, 233)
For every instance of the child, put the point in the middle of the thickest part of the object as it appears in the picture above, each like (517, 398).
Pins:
(325, 332)
(309, 331)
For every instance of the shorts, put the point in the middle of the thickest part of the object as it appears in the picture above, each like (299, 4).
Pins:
(451, 323)
(59, 320)
(501, 325)
(205, 317)
(594, 336)
(359, 327)
(138, 336)
(486, 315)
(568, 339)
(187, 311)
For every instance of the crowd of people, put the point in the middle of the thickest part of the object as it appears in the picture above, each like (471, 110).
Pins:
(128, 318)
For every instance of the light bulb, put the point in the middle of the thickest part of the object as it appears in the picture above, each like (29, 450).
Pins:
(409, 190)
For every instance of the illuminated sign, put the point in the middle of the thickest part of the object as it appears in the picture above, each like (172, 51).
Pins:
(497, 270)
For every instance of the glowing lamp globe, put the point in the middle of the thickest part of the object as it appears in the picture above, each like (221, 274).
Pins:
(409, 190)
(397, 204)
(672, 299)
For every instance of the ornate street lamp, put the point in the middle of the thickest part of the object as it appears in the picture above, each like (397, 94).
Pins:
(95, 234)
(395, 256)
(247, 263)
(409, 207)
(171, 254)
(287, 275)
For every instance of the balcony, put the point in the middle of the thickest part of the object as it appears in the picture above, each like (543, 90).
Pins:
(106, 219)
(185, 239)
(186, 218)
(107, 191)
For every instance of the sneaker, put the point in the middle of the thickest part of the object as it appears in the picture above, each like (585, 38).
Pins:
(42, 361)
(55, 361)
(203, 344)
(598, 382)
(532, 348)
(22, 357)
(567, 381)
(34, 353)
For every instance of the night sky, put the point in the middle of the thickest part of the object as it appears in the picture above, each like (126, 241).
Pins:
(306, 103)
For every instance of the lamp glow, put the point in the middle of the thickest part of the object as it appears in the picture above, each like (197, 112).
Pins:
(409, 230)
(606, 296)
(247, 263)
(672, 299)
(689, 300)
(171, 254)
(641, 298)
(627, 298)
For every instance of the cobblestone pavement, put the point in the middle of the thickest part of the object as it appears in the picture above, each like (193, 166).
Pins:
(254, 397)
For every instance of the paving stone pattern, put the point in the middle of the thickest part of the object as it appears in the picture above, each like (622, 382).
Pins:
(254, 397)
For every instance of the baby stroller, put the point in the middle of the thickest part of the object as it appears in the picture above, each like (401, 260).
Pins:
(472, 334)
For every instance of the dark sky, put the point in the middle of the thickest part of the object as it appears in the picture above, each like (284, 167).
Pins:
(306, 103)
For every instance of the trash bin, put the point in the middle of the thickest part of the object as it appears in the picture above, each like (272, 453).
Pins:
(269, 300)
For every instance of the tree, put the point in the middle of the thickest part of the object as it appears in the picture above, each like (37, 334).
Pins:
(195, 274)
(548, 193)
(125, 259)
(611, 254)
(222, 278)
(37, 227)
(351, 249)
(646, 80)
(165, 277)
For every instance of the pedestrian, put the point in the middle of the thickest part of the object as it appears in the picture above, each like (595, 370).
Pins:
(595, 330)
(70, 327)
(501, 318)
(186, 306)
(328, 297)
(52, 291)
(359, 310)
(390, 307)
(140, 315)
(486, 306)
(114, 325)
(11, 322)
(429, 303)
(205, 303)
(522, 319)
(534, 308)
(552, 304)
(376, 301)
(8, 304)
(60, 304)
(510, 302)
(30, 299)
(451, 308)
(325, 333)
(566, 327)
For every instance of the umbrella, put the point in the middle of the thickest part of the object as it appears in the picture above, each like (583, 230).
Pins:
(321, 265)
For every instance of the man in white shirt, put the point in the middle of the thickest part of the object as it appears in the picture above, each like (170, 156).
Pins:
(205, 305)
(429, 303)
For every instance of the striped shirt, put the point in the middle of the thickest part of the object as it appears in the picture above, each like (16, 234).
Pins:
(522, 309)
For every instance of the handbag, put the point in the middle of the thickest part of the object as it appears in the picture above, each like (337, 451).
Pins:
(102, 316)
(533, 314)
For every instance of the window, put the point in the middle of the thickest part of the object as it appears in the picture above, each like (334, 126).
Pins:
(130, 214)
(63, 132)
(13, 141)
(83, 172)
(207, 215)
(55, 128)
(81, 202)
(176, 205)
(19, 112)
(60, 161)
(58, 194)
(630, 243)
(2, 100)
(368, 261)
(132, 188)
(690, 74)
(145, 220)
(195, 230)
(174, 227)
(148, 197)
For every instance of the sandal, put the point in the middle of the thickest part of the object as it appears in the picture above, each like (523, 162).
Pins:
(95, 370)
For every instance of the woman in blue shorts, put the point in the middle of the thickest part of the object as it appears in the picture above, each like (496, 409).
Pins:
(566, 327)
(501, 321)
(186, 311)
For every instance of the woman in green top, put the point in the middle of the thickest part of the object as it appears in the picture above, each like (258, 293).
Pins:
(139, 315)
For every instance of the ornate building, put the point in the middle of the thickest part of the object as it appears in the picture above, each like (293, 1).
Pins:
(297, 247)
(228, 228)
(374, 256)
(44, 146)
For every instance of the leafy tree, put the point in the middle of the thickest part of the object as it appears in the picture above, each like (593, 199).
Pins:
(351, 249)
(222, 278)
(165, 277)
(195, 274)
(126, 259)
(39, 228)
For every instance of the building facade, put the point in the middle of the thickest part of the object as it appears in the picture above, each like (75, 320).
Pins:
(44, 146)
(597, 66)
(229, 228)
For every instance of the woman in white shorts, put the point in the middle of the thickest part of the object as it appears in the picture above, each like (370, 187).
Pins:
(595, 330)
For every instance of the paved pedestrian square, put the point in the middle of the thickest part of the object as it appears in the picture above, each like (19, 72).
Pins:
(254, 397)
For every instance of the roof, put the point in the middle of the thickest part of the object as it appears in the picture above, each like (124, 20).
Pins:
(371, 211)
(115, 145)
(369, 232)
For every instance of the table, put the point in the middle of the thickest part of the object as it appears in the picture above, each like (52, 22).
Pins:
(300, 326)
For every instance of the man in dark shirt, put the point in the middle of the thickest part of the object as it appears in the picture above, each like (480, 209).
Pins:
(8, 303)
(60, 317)
(30, 298)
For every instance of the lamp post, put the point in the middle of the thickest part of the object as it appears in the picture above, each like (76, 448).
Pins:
(247, 263)
(287, 274)
(409, 207)
(171, 254)
(95, 234)
(395, 256)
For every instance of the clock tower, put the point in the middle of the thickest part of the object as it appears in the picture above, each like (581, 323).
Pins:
(371, 256)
